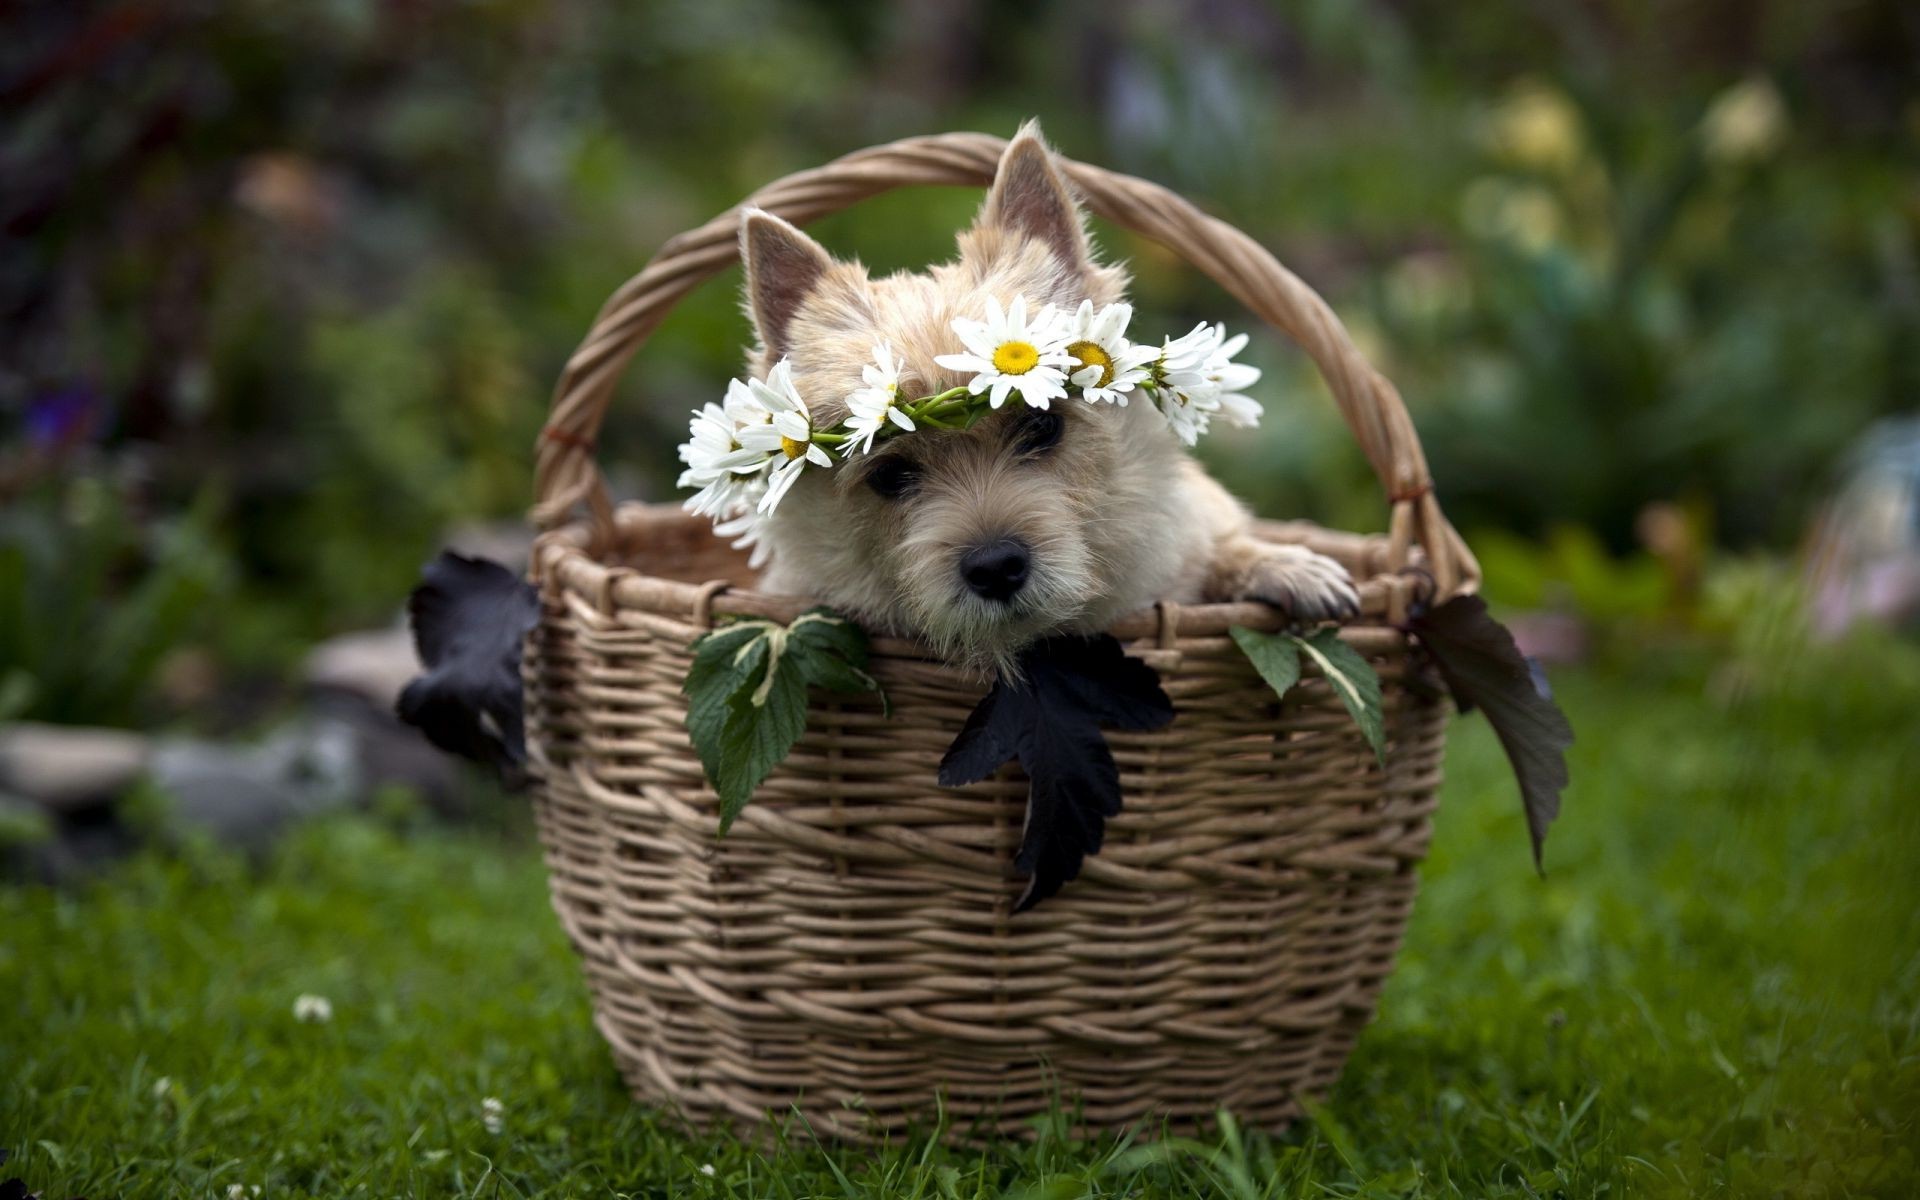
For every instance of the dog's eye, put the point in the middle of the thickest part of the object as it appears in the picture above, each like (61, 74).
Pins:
(892, 478)
(1038, 431)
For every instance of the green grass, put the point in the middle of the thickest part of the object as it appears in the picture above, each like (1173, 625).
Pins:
(1715, 992)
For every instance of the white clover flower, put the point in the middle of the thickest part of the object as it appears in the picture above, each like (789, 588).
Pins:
(493, 1115)
(240, 1191)
(163, 1087)
(790, 432)
(875, 405)
(311, 1009)
(1106, 365)
(1007, 353)
(706, 1169)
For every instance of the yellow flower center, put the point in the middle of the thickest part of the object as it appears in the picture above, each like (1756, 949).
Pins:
(1091, 355)
(793, 449)
(1014, 358)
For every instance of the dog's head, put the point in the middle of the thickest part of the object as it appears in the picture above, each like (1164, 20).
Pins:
(982, 539)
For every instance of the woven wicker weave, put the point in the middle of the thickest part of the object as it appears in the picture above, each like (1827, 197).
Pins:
(848, 948)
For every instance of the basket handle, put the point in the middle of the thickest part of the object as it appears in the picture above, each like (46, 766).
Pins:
(566, 474)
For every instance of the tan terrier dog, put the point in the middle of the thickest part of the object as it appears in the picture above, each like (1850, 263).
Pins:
(1033, 521)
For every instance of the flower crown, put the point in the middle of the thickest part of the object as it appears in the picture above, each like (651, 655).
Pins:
(746, 453)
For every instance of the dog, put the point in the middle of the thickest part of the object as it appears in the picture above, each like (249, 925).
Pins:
(1030, 523)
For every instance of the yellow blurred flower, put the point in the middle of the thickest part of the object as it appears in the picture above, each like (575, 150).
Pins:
(1525, 214)
(1744, 124)
(1537, 126)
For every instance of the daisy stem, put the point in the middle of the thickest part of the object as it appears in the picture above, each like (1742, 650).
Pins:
(937, 405)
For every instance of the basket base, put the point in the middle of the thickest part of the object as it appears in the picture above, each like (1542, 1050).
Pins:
(998, 1101)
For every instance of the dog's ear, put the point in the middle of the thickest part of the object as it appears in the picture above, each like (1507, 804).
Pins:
(783, 266)
(1031, 198)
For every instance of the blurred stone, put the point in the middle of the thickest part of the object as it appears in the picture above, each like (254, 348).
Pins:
(373, 665)
(66, 767)
(247, 795)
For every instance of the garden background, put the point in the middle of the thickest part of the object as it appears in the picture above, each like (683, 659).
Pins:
(284, 288)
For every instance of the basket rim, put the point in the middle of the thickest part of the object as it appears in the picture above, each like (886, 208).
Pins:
(565, 559)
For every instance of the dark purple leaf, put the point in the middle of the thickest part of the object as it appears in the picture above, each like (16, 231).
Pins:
(1484, 669)
(469, 617)
(1049, 721)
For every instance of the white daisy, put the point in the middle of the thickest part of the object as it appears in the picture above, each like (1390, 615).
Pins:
(1007, 353)
(1188, 415)
(875, 405)
(493, 1115)
(1230, 379)
(745, 524)
(716, 499)
(740, 406)
(1106, 365)
(1187, 396)
(713, 452)
(1182, 362)
(790, 432)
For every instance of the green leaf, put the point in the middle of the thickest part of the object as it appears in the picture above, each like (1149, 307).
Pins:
(1276, 656)
(746, 695)
(1353, 681)
(833, 653)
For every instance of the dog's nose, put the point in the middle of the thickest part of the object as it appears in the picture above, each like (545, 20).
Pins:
(996, 570)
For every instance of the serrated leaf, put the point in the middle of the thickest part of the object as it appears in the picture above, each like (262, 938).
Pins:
(1484, 669)
(1273, 655)
(746, 695)
(757, 738)
(1276, 656)
(1354, 681)
(1049, 719)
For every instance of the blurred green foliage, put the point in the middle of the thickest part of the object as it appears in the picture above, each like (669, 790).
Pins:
(305, 271)
(92, 600)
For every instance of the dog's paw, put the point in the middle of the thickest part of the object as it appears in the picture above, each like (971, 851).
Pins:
(1308, 586)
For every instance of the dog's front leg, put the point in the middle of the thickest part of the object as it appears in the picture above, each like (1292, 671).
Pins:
(1305, 584)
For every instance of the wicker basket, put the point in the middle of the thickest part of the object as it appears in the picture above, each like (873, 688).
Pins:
(848, 948)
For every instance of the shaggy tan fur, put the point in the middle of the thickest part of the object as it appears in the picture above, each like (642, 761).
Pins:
(1115, 516)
